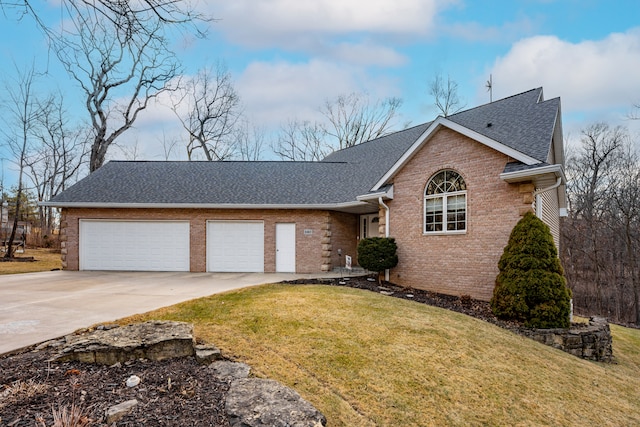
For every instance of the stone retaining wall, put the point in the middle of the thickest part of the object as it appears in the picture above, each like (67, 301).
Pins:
(592, 342)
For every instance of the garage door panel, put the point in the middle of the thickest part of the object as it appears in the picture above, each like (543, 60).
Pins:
(235, 246)
(134, 245)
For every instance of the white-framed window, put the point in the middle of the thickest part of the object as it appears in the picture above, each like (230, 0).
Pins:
(445, 203)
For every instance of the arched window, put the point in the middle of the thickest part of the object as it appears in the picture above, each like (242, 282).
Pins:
(445, 203)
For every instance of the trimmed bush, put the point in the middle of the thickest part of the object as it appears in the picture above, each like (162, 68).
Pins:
(377, 254)
(531, 287)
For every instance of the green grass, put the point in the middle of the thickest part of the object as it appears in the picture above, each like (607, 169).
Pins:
(368, 360)
(45, 260)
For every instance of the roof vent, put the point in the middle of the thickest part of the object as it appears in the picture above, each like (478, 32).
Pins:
(489, 124)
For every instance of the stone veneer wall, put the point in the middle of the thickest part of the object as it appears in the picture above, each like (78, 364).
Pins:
(593, 342)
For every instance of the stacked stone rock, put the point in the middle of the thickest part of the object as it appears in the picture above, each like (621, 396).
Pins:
(592, 342)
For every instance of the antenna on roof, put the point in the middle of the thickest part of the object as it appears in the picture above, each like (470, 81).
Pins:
(489, 86)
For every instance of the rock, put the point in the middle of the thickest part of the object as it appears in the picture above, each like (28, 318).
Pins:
(229, 371)
(115, 413)
(206, 354)
(254, 402)
(154, 340)
(132, 381)
(387, 293)
(107, 327)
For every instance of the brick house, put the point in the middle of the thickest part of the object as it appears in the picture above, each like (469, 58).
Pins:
(449, 191)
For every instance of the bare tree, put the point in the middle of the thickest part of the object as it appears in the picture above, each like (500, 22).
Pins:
(635, 113)
(626, 223)
(250, 141)
(445, 95)
(600, 237)
(301, 141)
(118, 75)
(208, 107)
(353, 119)
(131, 18)
(58, 157)
(348, 120)
(131, 152)
(23, 113)
(169, 145)
(593, 169)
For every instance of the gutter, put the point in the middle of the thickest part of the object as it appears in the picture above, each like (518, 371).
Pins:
(525, 174)
(386, 229)
(112, 205)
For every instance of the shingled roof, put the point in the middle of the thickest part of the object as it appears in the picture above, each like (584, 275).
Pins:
(522, 122)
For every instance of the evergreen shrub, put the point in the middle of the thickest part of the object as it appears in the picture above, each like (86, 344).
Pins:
(377, 253)
(530, 286)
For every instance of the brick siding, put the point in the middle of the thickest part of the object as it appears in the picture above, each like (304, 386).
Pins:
(308, 246)
(464, 264)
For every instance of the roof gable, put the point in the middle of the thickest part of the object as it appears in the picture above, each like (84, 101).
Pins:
(523, 122)
(521, 126)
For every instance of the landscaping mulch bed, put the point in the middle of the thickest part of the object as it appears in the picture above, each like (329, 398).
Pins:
(176, 392)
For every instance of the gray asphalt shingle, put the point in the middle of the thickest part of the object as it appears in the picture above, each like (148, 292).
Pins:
(519, 122)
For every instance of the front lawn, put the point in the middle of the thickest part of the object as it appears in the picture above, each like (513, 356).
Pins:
(45, 260)
(364, 359)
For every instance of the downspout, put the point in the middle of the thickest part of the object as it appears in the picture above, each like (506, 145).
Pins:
(386, 229)
(544, 190)
(536, 194)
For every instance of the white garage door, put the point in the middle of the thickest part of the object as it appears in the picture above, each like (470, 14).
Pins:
(235, 246)
(134, 245)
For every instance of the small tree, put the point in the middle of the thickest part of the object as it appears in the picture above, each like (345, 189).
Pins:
(530, 286)
(377, 254)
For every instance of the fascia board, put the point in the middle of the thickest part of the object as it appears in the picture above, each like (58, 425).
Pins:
(533, 173)
(431, 130)
(375, 196)
(328, 206)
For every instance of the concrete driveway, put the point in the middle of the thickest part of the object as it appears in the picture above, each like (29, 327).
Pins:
(36, 307)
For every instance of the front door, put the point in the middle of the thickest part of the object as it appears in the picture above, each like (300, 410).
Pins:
(286, 248)
(369, 226)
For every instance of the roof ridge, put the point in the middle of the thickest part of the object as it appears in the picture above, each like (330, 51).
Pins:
(380, 137)
(215, 161)
(496, 101)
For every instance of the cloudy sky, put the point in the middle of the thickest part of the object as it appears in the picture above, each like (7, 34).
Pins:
(288, 56)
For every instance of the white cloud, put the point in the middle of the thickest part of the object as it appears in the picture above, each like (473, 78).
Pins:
(327, 28)
(274, 92)
(366, 54)
(590, 76)
(478, 32)
(271, 93)
(261, 21)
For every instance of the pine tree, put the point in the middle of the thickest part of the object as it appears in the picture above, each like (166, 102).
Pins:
(530, 286)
